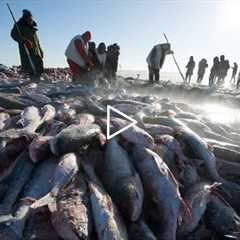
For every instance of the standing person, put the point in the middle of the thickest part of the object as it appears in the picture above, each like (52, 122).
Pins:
(92, 52)
(116, 53)
(77, 54)
(238, 81)
(190, 67)
(201, 70)
(113, 52)
(28, 37)
(101, 56)
(223, 69)
(234, 73)
(214, 73)
(108, 64)
(155, 60)
(100, 65)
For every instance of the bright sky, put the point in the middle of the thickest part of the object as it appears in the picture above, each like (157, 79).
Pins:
(203, 28)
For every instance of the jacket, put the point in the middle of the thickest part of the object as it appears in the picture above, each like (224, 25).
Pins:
(73, 54)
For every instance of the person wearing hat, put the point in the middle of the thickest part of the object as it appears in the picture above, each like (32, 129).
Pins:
(28, 37)
(78, 57)
(155, 60)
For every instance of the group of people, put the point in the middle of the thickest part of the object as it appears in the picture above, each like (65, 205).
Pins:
(83, 57)
(218, 71)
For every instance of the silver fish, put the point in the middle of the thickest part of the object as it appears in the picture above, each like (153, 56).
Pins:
(63, 174)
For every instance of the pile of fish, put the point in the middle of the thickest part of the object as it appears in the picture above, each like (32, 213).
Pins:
(174, 175)
(9, 74)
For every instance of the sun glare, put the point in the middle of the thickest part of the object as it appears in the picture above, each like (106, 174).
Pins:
(230, 10)
(221, 114)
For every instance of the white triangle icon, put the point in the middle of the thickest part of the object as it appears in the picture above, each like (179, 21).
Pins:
(109, 109)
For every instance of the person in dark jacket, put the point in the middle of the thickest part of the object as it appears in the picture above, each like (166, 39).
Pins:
(223, 69)
(92, 52)
(113, 52)
(238, 81)
(214, 73)
(201, 70)
(28, 37)
(190, 67)
(234, 73)
(116, 53)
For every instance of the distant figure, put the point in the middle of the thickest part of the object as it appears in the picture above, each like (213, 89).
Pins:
(155, 60)
(201, 70)
(77, 54)
(234, 73)
(29, 38)
(238, 81)
(223, 69)
(113, 52)
(214, 73)
(190, 67)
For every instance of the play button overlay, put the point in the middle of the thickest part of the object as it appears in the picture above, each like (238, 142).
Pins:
(109, 109)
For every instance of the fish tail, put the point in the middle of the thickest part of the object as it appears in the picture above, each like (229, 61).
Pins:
(46, 200)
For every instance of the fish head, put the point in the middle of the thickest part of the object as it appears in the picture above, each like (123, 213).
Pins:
(48, 112)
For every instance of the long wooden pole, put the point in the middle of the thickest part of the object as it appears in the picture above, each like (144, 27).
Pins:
(175, 61)
(25, 47)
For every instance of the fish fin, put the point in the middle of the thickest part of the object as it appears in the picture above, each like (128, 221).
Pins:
(46, 200)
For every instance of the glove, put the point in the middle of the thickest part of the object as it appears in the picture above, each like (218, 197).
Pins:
(28, 44)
